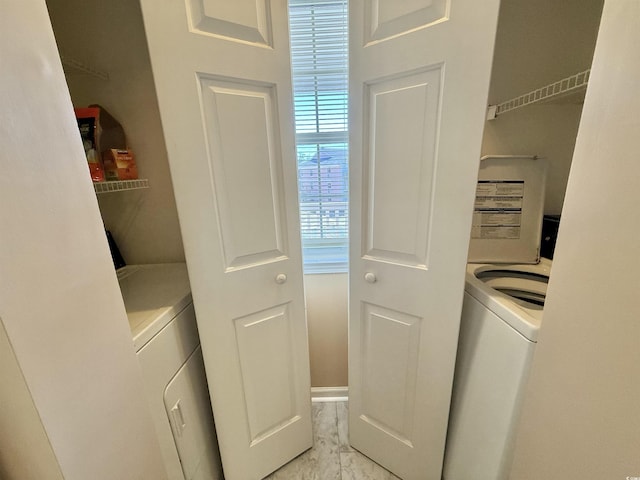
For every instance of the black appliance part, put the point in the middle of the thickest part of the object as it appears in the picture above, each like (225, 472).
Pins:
(118, 261)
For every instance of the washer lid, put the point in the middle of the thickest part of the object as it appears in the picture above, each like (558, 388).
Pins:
(527, 289)
(507, 216)
(521, 315)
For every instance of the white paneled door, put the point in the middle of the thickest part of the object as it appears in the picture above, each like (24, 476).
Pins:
(224, 87)
(419, 76)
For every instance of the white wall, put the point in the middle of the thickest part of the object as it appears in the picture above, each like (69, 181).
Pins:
(581, 416)
(548, 131)
(60, 303)
(538, 43)
(327, 318)
(110, 36)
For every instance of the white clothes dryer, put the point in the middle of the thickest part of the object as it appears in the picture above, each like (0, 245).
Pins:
(501, 316)
(158, 302)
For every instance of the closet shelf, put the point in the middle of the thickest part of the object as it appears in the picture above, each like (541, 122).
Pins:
(120, 185)
(75, 65)
(557, 92)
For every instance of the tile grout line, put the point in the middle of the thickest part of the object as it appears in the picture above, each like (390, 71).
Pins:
(338, 440)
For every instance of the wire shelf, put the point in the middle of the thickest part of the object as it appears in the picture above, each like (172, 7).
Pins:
(120, 185)
(548, 93)
(82, 67)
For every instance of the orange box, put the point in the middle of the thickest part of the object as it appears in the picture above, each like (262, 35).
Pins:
(87, 124)
(99, 132)
(120, 164)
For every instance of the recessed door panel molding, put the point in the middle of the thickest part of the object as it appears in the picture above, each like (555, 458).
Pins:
(267, 364)
(390, 348)
(244, 21)
(399, 166)
(386, 19)
(241, 126)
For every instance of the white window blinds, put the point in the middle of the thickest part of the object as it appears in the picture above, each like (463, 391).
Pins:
(319, 50)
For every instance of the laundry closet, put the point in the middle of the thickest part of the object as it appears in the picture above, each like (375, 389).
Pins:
(541, 69)
(104, 53)
(106, 61)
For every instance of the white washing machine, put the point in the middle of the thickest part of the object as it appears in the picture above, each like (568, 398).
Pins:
(501, 316)
(163, 325)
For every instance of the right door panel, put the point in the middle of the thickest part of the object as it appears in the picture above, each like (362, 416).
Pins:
(419, 76)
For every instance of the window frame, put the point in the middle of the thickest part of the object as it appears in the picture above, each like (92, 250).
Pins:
(328, 128)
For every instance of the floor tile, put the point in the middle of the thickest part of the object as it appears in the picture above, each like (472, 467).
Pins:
(356, 466)
(331, 457)
(343, 426)
(322, 462)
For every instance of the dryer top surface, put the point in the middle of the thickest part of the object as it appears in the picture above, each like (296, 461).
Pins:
(153, 295)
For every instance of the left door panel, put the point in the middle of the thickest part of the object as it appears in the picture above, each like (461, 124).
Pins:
(222, 74)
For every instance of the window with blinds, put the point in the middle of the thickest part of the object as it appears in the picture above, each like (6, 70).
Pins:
(319, 62)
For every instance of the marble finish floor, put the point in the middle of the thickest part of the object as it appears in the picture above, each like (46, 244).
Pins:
(331, 457)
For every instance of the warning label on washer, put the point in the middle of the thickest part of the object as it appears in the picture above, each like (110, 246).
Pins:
(503, 233)
(499, 202)
(496, 188)
(496, 218)
(498, 209)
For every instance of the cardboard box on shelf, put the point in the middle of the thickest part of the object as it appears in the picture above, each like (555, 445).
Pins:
(100, 132)
(120, 164)
(87, 126)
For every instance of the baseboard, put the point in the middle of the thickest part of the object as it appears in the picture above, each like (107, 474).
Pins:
(329, 394)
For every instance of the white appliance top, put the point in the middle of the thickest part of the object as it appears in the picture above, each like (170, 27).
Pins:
(507, 215)
(517, 314)
(153, 295)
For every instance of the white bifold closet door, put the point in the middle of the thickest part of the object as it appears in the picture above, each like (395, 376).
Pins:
(419, 77)
(223, 80)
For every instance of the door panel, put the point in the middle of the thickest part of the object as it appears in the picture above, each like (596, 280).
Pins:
(399, 181)
(419, 77)
(247, 175)
(240, 20)
(266, 360)
(390, 360)
(224, 90)
(386, 19)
